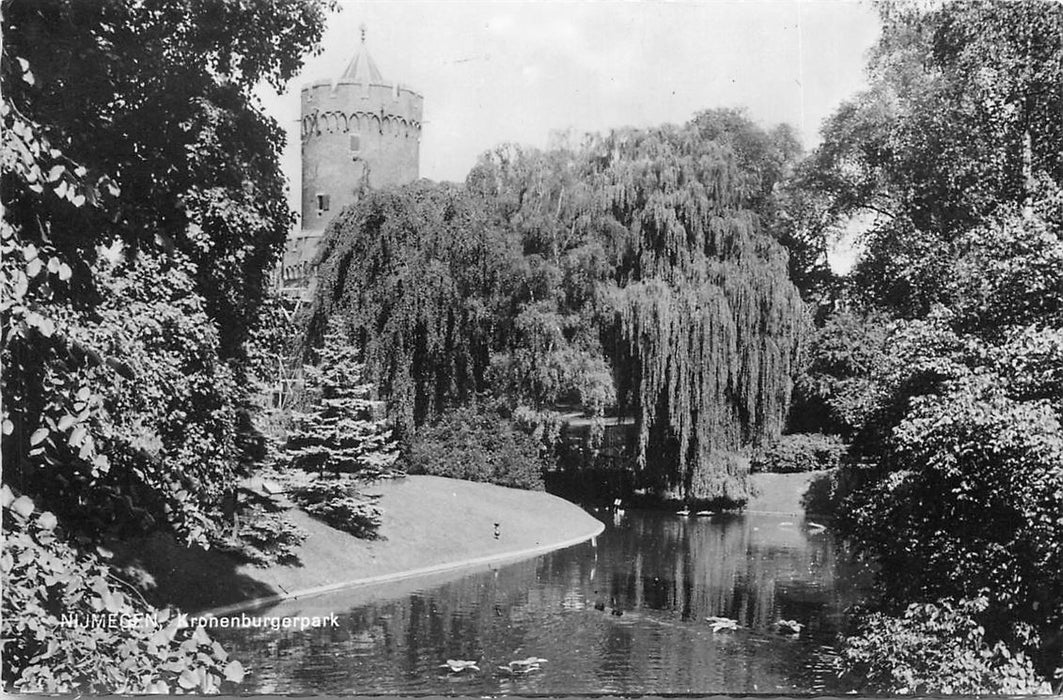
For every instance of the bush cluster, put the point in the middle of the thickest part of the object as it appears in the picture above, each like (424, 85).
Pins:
(476, 444)
(800, 452)
(936, 648)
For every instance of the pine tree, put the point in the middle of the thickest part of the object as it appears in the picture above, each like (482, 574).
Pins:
(345, 432)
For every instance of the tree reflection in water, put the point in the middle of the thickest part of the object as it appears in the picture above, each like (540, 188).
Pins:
(664, 573)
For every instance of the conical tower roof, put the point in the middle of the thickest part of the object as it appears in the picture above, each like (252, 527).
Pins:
(362, 68)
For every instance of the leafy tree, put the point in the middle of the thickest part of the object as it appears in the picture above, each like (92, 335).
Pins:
(961, 440)
(52, 594)
(143, 208)
(833, 388)
(159, 96)
(961, 118)
(136, 248)
(955, 153)
(419, 274)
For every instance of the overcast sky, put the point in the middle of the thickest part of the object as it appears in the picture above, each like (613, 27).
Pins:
(495, 72)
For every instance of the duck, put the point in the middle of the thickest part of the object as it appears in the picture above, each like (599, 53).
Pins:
(684, 512)
(522, 666)
(722, 624)
(457, 665)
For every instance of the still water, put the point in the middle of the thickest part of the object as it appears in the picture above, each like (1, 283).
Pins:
(662, 574)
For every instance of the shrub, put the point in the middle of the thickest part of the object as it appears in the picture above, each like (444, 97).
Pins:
(972, 502)
(935, 648)
(339, 503)
(45, 581)
(477, 444)
(264, 537)
(801, 452)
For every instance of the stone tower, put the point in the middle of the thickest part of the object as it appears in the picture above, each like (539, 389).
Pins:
(358, 132)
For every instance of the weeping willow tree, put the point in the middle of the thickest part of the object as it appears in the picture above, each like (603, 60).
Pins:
(707, 323)
(420, 273)
(634, 272)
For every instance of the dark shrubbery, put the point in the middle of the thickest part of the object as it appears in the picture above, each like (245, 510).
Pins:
(477, 444)
(339, 503)
(264, 537)
(801, 452)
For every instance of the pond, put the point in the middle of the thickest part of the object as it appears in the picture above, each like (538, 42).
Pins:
(625, 614)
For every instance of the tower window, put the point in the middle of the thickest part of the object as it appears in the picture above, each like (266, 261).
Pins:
(356, 143)
(322, 203)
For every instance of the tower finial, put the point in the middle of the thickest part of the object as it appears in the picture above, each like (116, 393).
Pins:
(362, 28)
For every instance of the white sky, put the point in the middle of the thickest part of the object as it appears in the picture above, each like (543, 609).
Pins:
(495, 72)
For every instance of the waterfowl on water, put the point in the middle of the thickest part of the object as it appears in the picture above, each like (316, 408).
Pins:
(685, 511)
(457, 666)
(722, 624)
(521, 666)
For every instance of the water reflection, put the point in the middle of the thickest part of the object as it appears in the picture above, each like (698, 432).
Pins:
(624, 616)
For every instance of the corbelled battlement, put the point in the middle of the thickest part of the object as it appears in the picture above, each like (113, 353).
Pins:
(345, 106)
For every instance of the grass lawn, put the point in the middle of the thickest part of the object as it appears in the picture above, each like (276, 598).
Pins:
(429, 522)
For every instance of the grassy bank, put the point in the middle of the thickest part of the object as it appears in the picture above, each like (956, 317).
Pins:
(780, 493)
(429, 522)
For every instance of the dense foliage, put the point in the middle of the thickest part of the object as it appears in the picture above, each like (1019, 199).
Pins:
(944, 364)
(799, 452)
(143, 207)
(344, 430)
(418, 274)
(137, 248)
(71, 626)
(937, 649)
(634, 272)
(476, 443)
(962, 117)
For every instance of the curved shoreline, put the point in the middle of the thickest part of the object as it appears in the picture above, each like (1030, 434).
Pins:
(498, 558)
(431, 525)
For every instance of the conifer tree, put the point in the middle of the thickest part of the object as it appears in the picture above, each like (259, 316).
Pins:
(345, 431)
